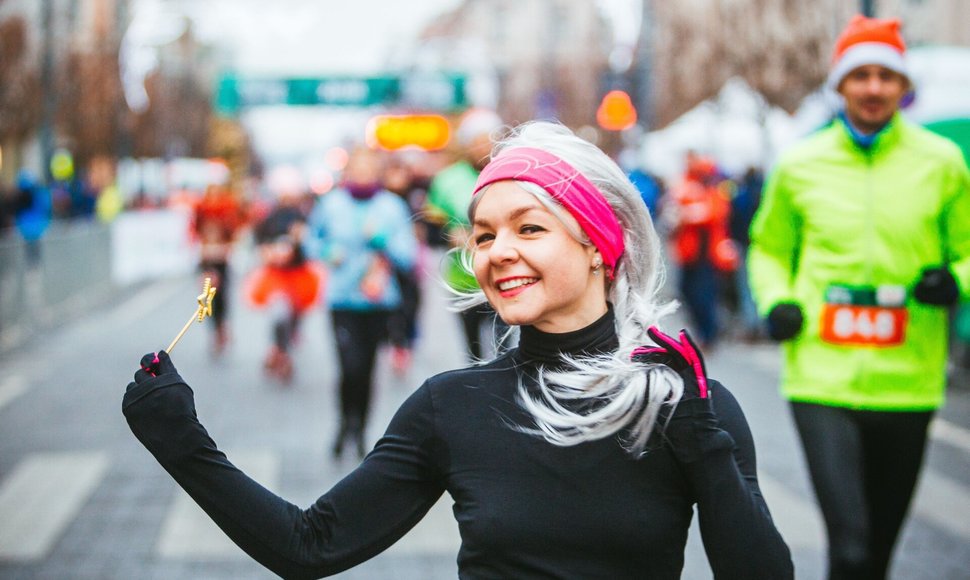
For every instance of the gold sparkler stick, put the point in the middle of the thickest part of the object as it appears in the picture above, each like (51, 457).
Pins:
(204, 309)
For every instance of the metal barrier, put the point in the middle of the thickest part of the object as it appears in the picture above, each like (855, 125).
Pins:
(71, 272)
(13, 286)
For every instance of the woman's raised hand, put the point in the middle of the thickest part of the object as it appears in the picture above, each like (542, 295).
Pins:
(681, 355)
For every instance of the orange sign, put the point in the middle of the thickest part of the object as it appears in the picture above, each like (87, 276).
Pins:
(616, 112)
(847, 324)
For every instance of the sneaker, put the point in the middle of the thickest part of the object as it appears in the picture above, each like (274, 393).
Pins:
(221, 340)
(400, 359)
(284, 368)
(272, 359)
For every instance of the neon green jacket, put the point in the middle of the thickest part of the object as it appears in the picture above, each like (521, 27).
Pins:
(834, 213)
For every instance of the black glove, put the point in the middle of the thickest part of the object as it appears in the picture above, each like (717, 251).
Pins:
(937, 286)
(160, 410)
(152, 365)
(681, 355)
(785, 321)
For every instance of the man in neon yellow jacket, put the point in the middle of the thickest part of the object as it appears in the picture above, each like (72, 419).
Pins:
(861, 244)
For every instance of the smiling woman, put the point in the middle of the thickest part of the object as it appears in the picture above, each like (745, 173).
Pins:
(551, 210)
(553, 451)
(530, 268)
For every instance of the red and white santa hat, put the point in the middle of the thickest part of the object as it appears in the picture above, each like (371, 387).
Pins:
(868, 41)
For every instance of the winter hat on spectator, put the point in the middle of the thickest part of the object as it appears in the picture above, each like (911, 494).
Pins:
(868, 41)
(476, 122)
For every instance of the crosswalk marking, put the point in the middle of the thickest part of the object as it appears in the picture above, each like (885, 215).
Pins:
(436, 534)
(42, 496)
(136, 307)
(10, 388)
(943, 501)
(943, 430)
(799, 520)
(187, 531)
(795, 516)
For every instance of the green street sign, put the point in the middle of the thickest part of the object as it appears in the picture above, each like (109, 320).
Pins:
(441, 92)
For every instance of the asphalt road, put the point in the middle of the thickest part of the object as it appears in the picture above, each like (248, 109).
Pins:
(80, 497)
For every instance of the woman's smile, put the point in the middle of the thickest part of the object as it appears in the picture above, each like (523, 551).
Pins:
(510, 287)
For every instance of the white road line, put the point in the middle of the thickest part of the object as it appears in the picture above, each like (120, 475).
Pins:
(796, 517)
(42, 496)
(188, 533)
(943, 501)
(142, 302)
(10, 388)
(943, 430)
(436, 534)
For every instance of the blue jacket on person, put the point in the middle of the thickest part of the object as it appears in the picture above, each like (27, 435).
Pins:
(348, 234)
(648, 187)
(32, 221)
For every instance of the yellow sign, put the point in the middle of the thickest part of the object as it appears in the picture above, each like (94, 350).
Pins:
(393, 132)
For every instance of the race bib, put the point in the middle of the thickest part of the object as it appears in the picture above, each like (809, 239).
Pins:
(864, 316)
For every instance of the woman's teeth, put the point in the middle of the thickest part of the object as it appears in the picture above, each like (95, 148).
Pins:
(510, 284)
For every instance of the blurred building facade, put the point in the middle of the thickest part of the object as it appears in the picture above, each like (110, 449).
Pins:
(60, 72)
(944, 22)
(71, 48)
(781, 48)
(548, 57)
(61, 88)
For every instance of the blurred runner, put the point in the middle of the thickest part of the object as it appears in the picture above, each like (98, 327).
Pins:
(448, 197)
(860, 247)
(403, 325)
(363, 233)
(287, 285)
(32, 213)
(697, 211)
(744, 203)
(217, 222)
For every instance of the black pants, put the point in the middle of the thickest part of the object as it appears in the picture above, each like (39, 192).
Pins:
(864, 466)
(286, 323)
(357, 334)
(219, 272)
(403, 324)
(699, 288)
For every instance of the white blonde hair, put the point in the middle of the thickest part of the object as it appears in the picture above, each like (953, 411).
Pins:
(627, 395)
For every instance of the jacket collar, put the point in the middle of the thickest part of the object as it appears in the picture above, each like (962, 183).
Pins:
(881, 141)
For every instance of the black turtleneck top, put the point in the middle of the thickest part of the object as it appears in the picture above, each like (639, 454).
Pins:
(525, 508)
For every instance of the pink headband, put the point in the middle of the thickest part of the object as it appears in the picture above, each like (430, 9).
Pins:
(567, 186)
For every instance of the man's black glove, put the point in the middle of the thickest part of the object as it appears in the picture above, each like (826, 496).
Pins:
(937, 286)
(785, 321)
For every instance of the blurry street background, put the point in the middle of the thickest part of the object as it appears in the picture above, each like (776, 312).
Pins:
(116, 116)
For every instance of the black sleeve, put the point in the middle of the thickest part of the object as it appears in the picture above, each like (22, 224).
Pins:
(359, 517)
(712, 441)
